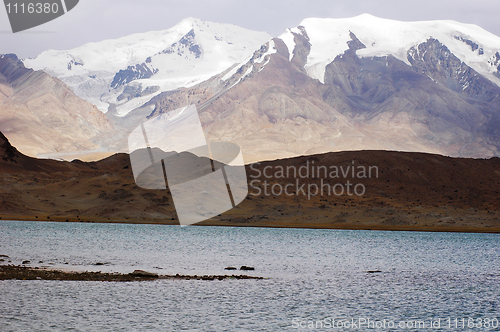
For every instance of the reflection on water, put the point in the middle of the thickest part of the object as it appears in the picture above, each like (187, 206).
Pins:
(314, 274)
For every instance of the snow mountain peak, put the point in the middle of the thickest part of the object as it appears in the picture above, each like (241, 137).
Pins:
(191, 52)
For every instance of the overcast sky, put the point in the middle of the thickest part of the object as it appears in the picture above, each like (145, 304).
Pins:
(95, 20)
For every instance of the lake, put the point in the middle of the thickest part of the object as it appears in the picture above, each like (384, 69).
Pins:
(316, 279)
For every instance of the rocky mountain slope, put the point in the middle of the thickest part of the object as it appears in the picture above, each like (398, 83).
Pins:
(406, 191)
(40, 114)
(360, 83)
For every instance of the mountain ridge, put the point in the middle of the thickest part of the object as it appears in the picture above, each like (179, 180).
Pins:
(431, 102)
(331, 85)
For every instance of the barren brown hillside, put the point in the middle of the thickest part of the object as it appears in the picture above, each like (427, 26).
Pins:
(413, 191)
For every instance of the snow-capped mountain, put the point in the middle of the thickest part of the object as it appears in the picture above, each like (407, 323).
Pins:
(359, 83)
(325, 85)
(329, 38)
(129, 71)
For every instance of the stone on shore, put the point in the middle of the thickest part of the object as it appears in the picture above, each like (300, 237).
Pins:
(144, 274)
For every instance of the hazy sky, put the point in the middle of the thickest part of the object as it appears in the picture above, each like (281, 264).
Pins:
(95, 20)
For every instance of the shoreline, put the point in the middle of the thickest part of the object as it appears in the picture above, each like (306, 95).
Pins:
(279, 224)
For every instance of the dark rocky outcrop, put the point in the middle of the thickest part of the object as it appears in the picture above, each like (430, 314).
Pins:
(435, 60)
(132, 73)
(186, 43)
(7, 151)
(473, 46)
(13, 69)
(495, 62)
(131, 92)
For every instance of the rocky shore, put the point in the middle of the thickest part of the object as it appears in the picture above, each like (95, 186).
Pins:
(16, 272)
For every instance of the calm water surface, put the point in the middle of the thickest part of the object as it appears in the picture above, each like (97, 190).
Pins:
(315, 276)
